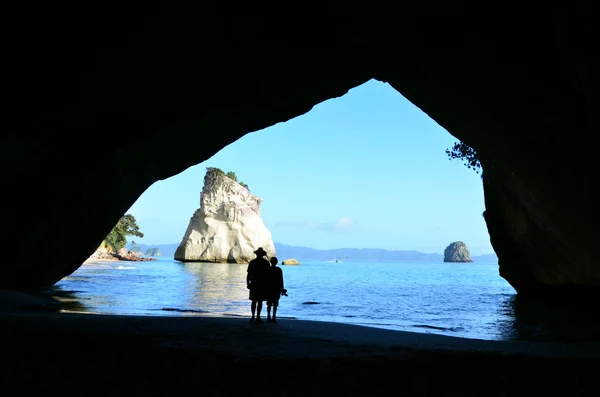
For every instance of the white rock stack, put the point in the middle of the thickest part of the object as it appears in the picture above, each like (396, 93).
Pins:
(227, 227)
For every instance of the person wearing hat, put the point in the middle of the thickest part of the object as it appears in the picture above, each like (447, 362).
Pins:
(256, 282)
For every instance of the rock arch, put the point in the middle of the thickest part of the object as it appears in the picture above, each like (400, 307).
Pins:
(87, 99)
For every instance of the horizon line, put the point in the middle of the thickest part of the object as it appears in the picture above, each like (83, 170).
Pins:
(334, 249)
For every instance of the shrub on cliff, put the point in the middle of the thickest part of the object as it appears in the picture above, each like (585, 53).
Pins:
(229, 174)
(464, 152)
(218, 171)
(127, 226)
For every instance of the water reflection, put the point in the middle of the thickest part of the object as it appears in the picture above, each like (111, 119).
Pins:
(504, 328)
(538, 320)
(467, 301)
(125, 288)
(68, 300)
(217, 287)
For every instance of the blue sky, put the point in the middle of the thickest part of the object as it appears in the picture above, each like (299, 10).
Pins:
(367, 170)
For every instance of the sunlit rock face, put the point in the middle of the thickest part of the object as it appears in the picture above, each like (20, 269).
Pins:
(457, 252)
(227, 227)
(89, 100)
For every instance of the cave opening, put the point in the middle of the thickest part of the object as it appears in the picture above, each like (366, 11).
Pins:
(363, 178)
(139, 82)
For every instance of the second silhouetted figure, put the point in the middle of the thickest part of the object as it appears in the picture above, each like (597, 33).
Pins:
(274, 290)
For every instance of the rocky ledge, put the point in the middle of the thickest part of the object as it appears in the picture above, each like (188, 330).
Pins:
(103, 254)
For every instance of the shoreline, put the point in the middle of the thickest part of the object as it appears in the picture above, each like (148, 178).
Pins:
(382, 341)
(565, 325)
(167, 355)
(15, 305)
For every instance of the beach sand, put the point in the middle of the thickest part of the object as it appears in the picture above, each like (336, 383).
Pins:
(103, 355)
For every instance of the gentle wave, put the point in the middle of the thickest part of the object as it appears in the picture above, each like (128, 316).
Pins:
(451, 329)
(435, 297)
(173, 309)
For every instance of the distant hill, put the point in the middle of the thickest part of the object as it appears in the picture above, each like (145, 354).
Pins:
(167, 250)
(153, 252)
(365, 254)
(487, 258)
(368, 254)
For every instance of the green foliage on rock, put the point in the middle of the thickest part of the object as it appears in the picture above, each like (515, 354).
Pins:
(229, 174)
(127, 226)
(104, 245)
(218, 171)
(464, 152)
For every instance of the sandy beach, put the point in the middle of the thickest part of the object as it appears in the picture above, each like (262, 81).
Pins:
(103, 355)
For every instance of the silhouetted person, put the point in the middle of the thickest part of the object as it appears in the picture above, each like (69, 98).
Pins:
(256, 282)
(275, 289)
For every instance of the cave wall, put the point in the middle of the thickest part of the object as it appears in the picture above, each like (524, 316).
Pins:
(89, 99)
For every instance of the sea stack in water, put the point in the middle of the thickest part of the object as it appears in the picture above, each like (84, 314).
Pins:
(227, 227)
(457, 252)
(153, 252)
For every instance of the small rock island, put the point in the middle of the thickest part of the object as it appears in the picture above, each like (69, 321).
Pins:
(153, 252)
(290, 262)
(106, 253)
(227, 227)
(457, 252)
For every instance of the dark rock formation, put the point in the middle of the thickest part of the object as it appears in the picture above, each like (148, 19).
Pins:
(517, 84)
(153, 252)
(457, 252)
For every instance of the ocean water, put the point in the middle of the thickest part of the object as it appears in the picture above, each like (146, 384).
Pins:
(459, 299)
